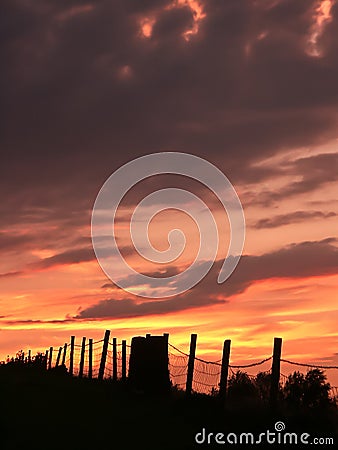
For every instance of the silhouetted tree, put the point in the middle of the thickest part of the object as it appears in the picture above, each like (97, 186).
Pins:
(310, 390)
(263, 383)
(241, 386)
(317, 391)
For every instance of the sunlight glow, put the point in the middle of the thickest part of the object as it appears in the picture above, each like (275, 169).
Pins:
(147, 26)
(322, 17)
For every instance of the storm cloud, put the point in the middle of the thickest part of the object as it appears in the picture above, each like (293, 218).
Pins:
(305, 259)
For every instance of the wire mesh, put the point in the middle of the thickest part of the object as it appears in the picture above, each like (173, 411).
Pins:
(206, 376)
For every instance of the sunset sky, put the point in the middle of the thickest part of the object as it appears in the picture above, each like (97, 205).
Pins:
(250, 86)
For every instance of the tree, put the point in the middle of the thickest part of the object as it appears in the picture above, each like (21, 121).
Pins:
(310, 390)
(317, 391)
(263, 383)
(240, 385)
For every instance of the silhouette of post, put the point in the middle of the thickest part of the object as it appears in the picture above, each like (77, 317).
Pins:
(64, 354)
(148, 364)
(29, 356)
(50, 358)
(224, 370)
(191, 363)
(124, 360)
(83, 349)
(90, 359)
(104, 354)
(46, 360)
(58, 357)
(71, 362)
(114, 359)
(275, 371)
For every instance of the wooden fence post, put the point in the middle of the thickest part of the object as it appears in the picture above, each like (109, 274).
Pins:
(90, 359)
(83, 349)
(124, 360)
(275, 371)
(50, 358)
(104, 354)
(29, 356)
(64, 354)
(114, 359)
(224, 370)
(58, 357)
(191, 363)
(71, 362)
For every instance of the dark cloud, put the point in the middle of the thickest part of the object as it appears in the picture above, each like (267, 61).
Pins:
(292, 218)
(306, 259)
(35, 322)
(172, 24)
(79, 119)
(14, 273)
(167, 272)
(314, 172)
(131, 308)
(68, 257)
(83, 92)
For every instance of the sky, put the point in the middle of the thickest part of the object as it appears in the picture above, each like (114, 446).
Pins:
(250, 86)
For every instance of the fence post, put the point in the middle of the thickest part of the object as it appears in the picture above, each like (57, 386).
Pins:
(50, 358)
(191, 362)
(83, 349)
(224, 370)
(104, 354)
(114, 359)
(64, 354)
(46, 359)
(90, 359)
(166, 335)
(275, 371)
(58, 357)
(71, 362)
(124, 360)
(29, 356)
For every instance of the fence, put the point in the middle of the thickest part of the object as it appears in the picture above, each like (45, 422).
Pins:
(108, 359)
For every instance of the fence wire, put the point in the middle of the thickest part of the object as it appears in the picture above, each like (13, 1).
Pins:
(206, 375)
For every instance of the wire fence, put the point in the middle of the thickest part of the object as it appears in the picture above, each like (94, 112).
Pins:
(206, 373)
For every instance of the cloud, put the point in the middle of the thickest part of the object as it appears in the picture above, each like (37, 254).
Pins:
(299, 260)
(35, 321)
(68, 257)
(305, 259)
(314, 172)
(13, 273)
(130, 308)
(291, 218)
(241, 89)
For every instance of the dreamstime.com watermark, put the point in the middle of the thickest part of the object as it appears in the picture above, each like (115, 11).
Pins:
(103, 229)
(276, 437)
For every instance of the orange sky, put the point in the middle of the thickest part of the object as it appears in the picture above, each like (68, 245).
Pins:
(39, 304)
